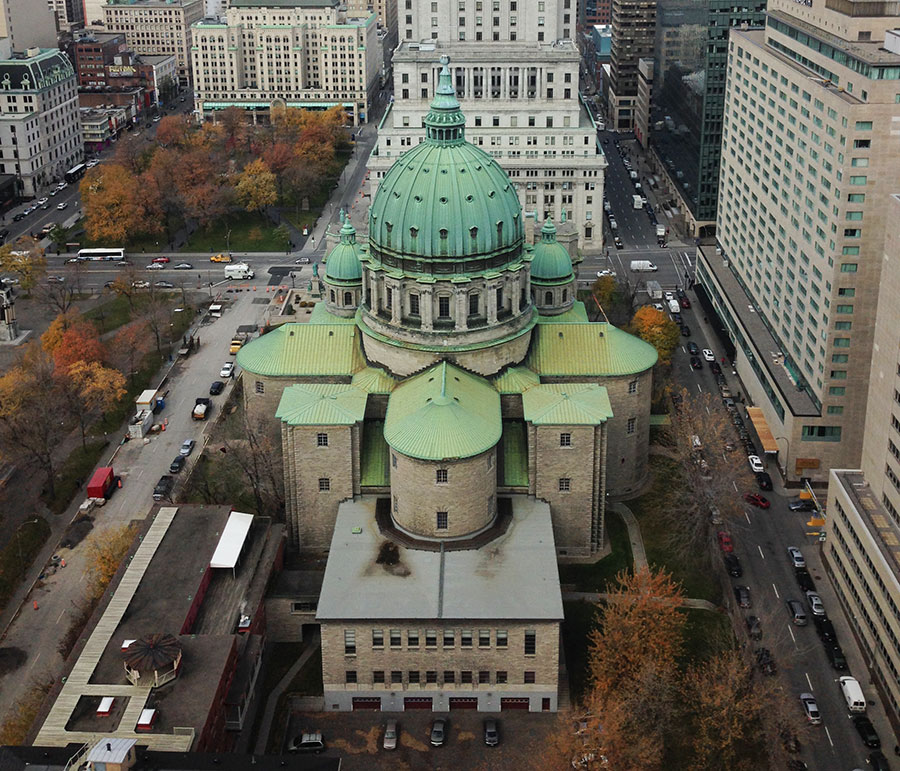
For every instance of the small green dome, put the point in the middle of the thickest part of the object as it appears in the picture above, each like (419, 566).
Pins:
(551, 261)
(342, 264)
(445, 198)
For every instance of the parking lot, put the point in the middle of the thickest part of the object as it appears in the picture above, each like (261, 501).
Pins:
(356, 737)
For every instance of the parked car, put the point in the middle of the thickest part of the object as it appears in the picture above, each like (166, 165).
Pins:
(808, 701)
(764, 481)
(724, 540)
(866, 731)
(156, 266)
(438, 732)
(216, 388)
(685, 303)
(163, 487)
(307, 742)
(620, 244)
(733, 565)
(693, 349)
(799, 504)
(715, 368)
(390, 735)
(835, 654)
(227, 369)
(878, 761)
(825, 629)
(62, 205)
(491, 734)
(161, 259)
(742, 595)
(164, 285)
(804, 580)
(815, 604)
(187, 447)
(42, 201)
(56, 279)
(796, 556)
(685, 330)
(755, 499)
(754, 627)
(184, 266)
(696, 363)
(756, 465)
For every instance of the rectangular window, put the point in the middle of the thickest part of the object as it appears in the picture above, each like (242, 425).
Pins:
(378, 676)
(350, 676)
(484, 638)
(484, 676)
(465, 676)
(863, 125)
(499, 298)
(349, 642)
(843, 325)
(473, 304)
(502, 638)
(414, 305)
(837, 391)
(377, 638)
(846, 292)
(442, 520)
(632, 387)
(848, 267)
(324, 485)
(833, 410)
(396, 638)
(565, 440)
(529, 676)
(449, 676)
(465, 638)
(431, 676)
(449, 638)
(858, 180)
(444, 306)
(396, 676)
(501, 677)
(565, 484)
(838, 374)
(321, 440)
(440, 476)
(530, 642)
(630, 426)
(413, 676)
(412, 638)
(260, 387)
(821, 434)
(431, 639)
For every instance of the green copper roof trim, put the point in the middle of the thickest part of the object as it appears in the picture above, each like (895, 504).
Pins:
(374, 380)
(436, 348)
(321, 315)
(515, 380)
(375, 456)
(295, 349)
(591, 349)
(445, 412)
(566, 404)
(577, 314)
(551, 262)
(322, 404)
(342, 266)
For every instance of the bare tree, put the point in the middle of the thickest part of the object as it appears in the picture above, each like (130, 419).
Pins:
(258, 456)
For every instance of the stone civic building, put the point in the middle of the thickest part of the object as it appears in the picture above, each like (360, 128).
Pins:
(452, 424)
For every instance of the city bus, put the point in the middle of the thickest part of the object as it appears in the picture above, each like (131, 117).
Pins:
(101, 254)
(76, 173)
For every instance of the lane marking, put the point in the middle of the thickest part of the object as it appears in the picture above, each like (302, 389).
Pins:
(809, 681)
(792, 635)
(61, 614)
(35, 661)
(775, 588)
(699, 388)
(734, 484)
(828, 734)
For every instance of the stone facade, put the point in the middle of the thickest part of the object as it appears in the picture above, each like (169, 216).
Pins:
(465, 491)
(317, 478)
(502, 668)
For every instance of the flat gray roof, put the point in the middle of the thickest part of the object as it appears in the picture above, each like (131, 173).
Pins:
(512, 577)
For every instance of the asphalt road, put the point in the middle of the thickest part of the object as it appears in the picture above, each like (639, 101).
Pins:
(761, 540)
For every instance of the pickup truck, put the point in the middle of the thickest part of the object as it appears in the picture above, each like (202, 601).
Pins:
(163, 487)
(201, 408)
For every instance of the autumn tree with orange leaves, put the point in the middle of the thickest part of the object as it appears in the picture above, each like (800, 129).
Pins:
(654, 327)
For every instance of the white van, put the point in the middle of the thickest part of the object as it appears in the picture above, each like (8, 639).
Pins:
(239, 270)
(643, 266)
(674, 306)
(853, 694)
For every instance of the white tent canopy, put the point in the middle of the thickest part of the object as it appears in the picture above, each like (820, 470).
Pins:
(228, 550)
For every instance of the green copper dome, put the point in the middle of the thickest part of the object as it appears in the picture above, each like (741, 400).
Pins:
(342, 264)
(445, 198)
(551, 261)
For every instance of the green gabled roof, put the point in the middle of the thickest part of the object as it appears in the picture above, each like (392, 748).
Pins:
(577, 314)
(515, 380)
(567, 404)
(592, 349)
(322, 404)
(304, 349)
(443, 413)
(374, 380)
(375, 455)
(514, 454)
(321, 315)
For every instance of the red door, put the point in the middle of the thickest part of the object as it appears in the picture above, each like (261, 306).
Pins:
(514, 703)
(463, 702)
(417, 702)
(362, 702)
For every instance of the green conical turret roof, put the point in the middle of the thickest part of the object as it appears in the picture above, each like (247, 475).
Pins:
(342, 264)
(551, 261)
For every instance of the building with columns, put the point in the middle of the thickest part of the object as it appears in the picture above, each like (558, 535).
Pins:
(516, 72)
(452, 424)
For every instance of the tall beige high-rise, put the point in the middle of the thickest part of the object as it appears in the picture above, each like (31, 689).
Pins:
(809, 158)
(28, 24)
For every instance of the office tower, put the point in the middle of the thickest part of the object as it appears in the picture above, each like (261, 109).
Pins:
(633, 32)
(68, 13)
(28, 24)
(808, 162)
(516, 72)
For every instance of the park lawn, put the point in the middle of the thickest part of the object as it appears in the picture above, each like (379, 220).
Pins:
(249, 233)
(696, 579)
(595, 576)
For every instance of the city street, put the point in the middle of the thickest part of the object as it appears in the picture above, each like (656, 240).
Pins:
(761, 540)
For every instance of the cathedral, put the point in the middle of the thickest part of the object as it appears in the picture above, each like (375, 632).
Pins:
(452, 426)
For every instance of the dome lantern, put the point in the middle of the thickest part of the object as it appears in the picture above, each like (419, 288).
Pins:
(343, 272)
(552, 275)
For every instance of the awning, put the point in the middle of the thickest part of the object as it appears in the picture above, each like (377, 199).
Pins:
(228, 550)
(762, 429)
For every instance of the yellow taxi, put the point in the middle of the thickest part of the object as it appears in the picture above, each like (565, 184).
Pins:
(222, 257)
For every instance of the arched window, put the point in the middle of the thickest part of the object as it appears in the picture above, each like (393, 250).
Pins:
(548, 298)
(565, 295)
(348, 298)
(332, 295)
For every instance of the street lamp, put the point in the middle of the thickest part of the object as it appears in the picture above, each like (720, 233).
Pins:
(19, 543)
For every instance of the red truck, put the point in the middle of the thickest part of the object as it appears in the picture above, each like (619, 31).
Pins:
(102, 483)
